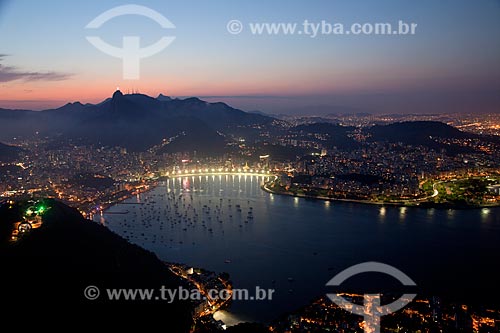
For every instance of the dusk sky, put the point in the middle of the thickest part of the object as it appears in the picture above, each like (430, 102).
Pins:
(452, 63)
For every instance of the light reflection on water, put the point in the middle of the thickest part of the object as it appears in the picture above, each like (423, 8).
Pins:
(296, 245)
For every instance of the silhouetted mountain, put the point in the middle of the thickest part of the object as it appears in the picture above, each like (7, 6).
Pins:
(56, 262)
(422, 133)
(9, 153)
(137, 122)
(219, 115)
(72, 107)
(333, 135)
(163, 98)
(416, 130)
(197, 138)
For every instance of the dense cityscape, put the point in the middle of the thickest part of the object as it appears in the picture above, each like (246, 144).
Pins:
(90, 177)
(425, 314)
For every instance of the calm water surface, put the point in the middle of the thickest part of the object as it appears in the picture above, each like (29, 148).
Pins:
(292, 245)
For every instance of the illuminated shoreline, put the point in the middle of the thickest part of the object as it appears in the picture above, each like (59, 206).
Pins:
(181, 174)
(416, 203)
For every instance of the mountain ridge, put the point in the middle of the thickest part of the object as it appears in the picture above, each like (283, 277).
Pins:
(140, 122)
(134, 121)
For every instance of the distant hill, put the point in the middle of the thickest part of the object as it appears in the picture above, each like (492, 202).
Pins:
(45, 274)
(416, 130)
(420, 133)
(197, 139)
(137, 122)
(334, 134)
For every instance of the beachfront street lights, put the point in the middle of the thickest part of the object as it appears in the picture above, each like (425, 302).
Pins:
(219, 170)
